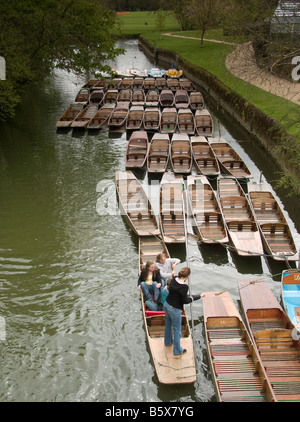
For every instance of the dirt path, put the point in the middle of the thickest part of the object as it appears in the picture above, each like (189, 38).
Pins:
(241, 63)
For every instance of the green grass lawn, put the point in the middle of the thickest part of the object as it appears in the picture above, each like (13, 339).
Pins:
(134, 23)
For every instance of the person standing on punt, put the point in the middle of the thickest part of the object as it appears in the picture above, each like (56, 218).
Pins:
(150, 281)
(166, 267)
(177, 297)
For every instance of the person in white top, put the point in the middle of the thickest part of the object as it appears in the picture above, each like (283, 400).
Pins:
(166, 267)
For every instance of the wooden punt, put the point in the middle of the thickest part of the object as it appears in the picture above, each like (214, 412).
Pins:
(149, 83)
(138, 97)
(290, 294)
(181, 154)
(204, 157)
(168, 120)
(119, 115)
(236, 367)
(186, 121)
(161, 83)
(196, 100)
(69, 115)
(166, 98)
(152, 98)
(172, 208)
(83, 118)
(137, 83)
(187, 84)
(137, 150)
(110, 97)
(96, 96)
(124, 96)
(158, 154)
(208, 219)
(182, 99)
(152, 118)
(229, 160)
(275, 232)
(135, 205)
(135, 118)
(82, 96)
(278, 347)
(240, 222)
(100, 118)
(203, 122)
(125, 83)
(173, 84)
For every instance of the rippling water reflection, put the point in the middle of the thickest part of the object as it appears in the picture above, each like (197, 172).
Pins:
(68, 265)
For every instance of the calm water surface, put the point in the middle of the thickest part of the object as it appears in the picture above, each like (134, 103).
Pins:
(69, 262)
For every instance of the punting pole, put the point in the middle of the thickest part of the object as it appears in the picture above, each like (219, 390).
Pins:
(187, 260)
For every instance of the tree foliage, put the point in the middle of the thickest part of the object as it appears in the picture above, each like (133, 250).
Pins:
(38, 35)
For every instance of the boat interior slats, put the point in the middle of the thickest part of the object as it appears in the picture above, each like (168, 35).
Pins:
(235, 369)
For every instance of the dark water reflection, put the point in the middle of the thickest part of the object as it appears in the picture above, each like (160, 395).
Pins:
(68, 263)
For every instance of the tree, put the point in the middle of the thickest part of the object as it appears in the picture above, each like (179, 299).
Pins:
(38, 35)
(206, 14)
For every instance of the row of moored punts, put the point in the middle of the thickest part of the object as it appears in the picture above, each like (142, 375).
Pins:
(256, 361)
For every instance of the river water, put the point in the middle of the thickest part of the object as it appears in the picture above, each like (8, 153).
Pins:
(68, 262)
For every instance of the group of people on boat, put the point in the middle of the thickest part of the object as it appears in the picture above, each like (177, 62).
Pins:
(164, 291)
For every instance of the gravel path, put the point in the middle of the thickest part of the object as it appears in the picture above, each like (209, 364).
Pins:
(241, 63)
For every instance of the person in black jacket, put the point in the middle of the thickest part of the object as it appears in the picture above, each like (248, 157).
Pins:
(177, 297)
(150, 281)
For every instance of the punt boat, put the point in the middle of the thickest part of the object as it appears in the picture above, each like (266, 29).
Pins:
(187, 84)
(137, 150)
(203, 122)
(83, 118)
(135, 118)
(158, 154)
(149, 83)
(110, 97)
(229, 159)
(135, 205)
(275, 232)
(240, 222)
(237, 371)
(182, 99)
(152, 98)
(278, 346)
(181, 154)
(152, 118)
(166, 98)
(208, 219)
(186, 121)
(100, 118)
(161, 83)
(204, 157)
(119, 115)
(172, 212)
(196, 100)
(82, 96)
(69, 115)
(168, 120)
(290, 294)
(170, 369)
(138, 97)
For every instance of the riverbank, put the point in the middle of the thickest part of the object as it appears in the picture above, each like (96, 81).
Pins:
(270, 119)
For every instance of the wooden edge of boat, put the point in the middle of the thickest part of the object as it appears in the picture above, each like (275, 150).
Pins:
(231, 369)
